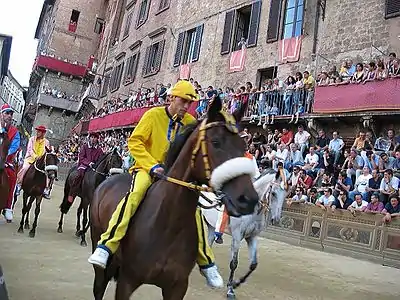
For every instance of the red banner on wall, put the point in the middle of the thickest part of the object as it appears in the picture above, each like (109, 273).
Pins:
(383, 95)
(124, 118)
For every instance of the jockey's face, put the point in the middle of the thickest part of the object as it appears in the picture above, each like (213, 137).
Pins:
(179, 106)
(93, 140)
(7, 117)
(39, 134)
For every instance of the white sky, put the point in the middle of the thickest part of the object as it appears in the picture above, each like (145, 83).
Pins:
(19, 19)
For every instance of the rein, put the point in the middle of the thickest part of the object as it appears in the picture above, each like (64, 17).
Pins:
(46, 167)
(201, 147)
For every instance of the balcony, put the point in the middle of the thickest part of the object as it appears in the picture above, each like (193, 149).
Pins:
(380, 98)
(58, 65)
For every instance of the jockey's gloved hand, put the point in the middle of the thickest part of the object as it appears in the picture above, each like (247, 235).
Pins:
(91, 165)
(159, 169)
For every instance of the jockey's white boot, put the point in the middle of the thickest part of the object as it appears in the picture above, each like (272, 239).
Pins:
(213, 277)
(99, 258)
(17, 189)
(8, 214)
(46, 193)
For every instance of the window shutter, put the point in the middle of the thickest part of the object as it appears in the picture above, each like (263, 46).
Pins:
(392, 8)
(254, 24)
(128, 68)
(179, 48)
(146, 61)
(197, 42)
(159, 56)
(227, 35)
(135, 66)
(274, 21)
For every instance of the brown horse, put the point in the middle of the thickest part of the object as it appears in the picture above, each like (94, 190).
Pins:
(33, 185)
(4, 185)
(160, 246)
(108, 165)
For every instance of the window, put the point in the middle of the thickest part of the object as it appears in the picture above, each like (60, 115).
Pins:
(241, 28)
(99, 26)
(73, 22)
(164, 4)
(106, 83)
(293, 25)
(143, 12)
(188, 46)
(153, 58)
(131, 68)
(274, 20)
(127, 24)
(116, 77)
(392, 9)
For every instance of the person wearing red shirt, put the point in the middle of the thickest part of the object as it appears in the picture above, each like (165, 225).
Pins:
(287, 136)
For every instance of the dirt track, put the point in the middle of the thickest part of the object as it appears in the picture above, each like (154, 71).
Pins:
(53, 266)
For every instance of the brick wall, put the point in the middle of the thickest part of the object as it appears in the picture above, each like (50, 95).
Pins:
(349, 30)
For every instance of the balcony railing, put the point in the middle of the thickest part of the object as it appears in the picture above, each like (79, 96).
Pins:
(384, 95)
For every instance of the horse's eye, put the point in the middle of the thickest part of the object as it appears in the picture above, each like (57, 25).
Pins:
(216, 143)
(273, 194)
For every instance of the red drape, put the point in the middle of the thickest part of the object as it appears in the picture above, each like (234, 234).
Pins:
(383, 95)
(124, 118)
(54, 64)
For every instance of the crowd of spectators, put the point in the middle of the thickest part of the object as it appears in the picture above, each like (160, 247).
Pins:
(59, 94)
(363, 176)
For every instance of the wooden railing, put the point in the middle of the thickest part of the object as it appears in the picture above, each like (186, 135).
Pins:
(363, 236)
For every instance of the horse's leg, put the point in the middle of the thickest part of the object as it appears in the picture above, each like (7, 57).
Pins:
(60, 224)
(125, 287)
(78, 219)
(84, 224)
(101, 280)
(24, 211)
(252, 246)
(32, 233)
(233, 265)
(211, 234)
(175, 292)
(28, 212)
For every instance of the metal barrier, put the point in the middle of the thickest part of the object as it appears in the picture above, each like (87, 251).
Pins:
(279, 103)
(363, 236)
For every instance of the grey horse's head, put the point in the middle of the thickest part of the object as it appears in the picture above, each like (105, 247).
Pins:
(271, 187)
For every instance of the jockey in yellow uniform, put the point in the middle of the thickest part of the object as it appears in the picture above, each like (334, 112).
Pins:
(148, 144)
(223, 217)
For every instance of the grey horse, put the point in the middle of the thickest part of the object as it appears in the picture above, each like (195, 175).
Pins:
(271, 187)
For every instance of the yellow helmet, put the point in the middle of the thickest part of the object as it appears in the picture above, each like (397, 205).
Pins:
(185, 90)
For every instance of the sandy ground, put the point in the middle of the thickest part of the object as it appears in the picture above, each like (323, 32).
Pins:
(54, 266)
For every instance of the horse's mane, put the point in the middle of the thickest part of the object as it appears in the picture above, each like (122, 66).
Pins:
(177, 145)
(103, 157)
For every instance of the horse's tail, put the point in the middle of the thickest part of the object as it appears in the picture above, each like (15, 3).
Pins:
(65, 204)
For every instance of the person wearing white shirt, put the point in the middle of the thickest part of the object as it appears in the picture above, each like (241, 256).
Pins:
(299, 197)
(326, 200)
(280, 156)
(358, 204)
(361, 185)
(389, 186)
(295, 157)
(336, 146)
(301, 138)
(311, 161)
(269, 153)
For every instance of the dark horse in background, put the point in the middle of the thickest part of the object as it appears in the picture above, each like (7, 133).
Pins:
(4, 185)
(33, 185)
(160, 246)
(109, 164)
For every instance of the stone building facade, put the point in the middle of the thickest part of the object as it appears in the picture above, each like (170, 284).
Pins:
(146, 41)
(68, 34)
(12, 92)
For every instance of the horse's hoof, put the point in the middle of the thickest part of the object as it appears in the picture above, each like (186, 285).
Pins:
(59, 230)
(9, 221)
(32, 234)
(20, 230)
(83, 244)
(230, 295)
(78, 234)
(26, 226)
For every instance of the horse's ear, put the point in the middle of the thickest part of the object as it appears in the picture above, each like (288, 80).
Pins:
(48, 150)
(115, 151)
(214, 109)
(239, 113)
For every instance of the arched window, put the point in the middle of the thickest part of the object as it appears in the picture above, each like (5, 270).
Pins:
(294, 15)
